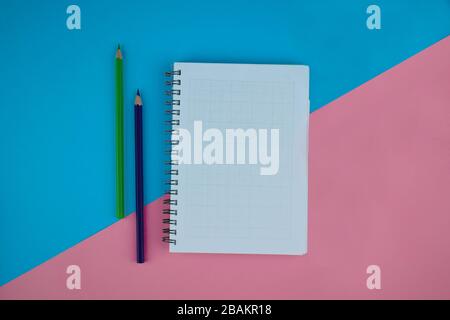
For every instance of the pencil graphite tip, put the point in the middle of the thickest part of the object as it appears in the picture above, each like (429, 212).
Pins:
(138, 99)
(118, 53)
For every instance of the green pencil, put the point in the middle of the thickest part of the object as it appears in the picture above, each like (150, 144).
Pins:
(119, 136)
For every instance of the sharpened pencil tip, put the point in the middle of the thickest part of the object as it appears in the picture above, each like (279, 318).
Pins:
(138, 100)
(118, 53)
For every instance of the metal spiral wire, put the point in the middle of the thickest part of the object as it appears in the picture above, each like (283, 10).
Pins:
(173, 113)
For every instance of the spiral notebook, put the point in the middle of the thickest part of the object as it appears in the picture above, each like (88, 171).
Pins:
(238, 137)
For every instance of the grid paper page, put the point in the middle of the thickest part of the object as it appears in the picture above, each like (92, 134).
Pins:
(232, 208)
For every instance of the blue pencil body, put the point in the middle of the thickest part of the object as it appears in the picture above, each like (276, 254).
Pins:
(139, 171)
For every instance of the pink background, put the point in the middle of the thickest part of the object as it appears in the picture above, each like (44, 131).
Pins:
(379, 184)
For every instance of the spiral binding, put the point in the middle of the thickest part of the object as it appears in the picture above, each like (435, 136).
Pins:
(173, 113)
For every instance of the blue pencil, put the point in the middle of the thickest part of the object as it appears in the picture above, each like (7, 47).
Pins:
(139, 172)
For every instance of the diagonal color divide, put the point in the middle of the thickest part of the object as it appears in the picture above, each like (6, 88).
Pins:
(379, 181)
(60, 153)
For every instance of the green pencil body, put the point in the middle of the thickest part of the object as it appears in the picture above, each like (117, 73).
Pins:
(119, 137)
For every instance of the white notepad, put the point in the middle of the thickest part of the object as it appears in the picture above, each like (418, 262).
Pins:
(230, 192)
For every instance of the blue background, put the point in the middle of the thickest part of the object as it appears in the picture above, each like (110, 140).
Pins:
(57, 161)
